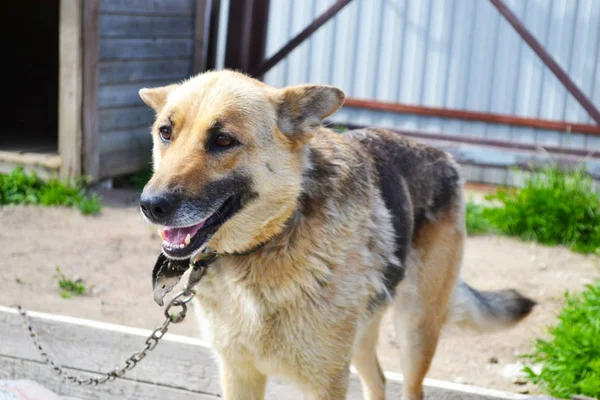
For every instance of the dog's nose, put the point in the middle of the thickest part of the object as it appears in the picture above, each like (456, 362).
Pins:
(158, 209)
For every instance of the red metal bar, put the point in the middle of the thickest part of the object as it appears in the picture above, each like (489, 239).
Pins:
(472, 116)
(266, 65)
(464, 139)
(547, 59)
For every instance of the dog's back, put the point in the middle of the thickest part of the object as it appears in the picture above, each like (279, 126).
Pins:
(422, 188)
(416, 181)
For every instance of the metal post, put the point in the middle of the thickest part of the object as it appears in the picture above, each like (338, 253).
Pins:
(246, 34)
(547, 59)
(299, 38)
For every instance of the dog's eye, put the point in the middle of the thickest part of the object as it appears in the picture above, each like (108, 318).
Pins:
(219, 140)
(223, 140)
(165, 132)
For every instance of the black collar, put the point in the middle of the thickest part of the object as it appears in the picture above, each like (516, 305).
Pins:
(251, 250)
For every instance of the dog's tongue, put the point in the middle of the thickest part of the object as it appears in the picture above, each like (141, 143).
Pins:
(177, 235)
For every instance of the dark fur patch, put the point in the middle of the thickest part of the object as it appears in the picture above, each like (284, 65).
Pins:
(269, 167)
(218, 200)
(416, 182)
(431, 177)
(318, 176)
(213, 195)
(309, 200)
(376, 301)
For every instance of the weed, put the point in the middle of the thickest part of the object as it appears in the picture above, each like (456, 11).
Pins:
(553, 208)
(570, 358)
(338, 128)
(69, 287)
(18, 187)
(139, 179)
(477, 223)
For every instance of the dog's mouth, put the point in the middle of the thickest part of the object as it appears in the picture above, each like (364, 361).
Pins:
(183, 242)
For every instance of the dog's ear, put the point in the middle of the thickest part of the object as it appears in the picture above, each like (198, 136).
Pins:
(302, 108)
(157, 97)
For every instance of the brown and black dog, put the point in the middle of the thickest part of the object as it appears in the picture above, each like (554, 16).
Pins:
(319, 233)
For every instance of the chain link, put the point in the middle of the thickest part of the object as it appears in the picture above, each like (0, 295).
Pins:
(179, 300)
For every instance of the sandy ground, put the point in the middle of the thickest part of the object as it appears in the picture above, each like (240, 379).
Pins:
(115, 251)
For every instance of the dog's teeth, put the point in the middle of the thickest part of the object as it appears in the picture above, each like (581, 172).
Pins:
(188, 238)
(161, 234)
(165, 243)
(181, 246)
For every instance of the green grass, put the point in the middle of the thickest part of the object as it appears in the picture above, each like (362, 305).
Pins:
(338, 128)
(570, 358)
(553, 208)
(69, 287)
(19, 187)
(139, 179)
(477, 222)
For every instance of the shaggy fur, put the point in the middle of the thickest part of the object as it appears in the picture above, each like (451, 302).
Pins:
(350, 224)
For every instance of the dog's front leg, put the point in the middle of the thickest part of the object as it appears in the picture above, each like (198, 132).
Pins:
(241, 381)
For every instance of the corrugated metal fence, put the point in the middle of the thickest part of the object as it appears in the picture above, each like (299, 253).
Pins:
(458, 54)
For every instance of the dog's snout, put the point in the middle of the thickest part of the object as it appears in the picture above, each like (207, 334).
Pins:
(158, 209)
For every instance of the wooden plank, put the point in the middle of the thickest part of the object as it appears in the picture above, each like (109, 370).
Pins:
(124, 95)
(121, 95)
(25, 389)
(100, 347)
(145, 26)
(13, 368)
(178, 363)
(70, 78)
(170, 7)
(202, 34)
(51, 161)
(91, 41)
(144, 70)
(146, 49)
(46, 166)
(124, 162)
(112, 119)
(134, 139)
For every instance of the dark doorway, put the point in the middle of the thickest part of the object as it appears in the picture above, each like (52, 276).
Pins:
(30, 32)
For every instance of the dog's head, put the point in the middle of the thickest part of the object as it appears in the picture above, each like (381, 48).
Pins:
(229, 154)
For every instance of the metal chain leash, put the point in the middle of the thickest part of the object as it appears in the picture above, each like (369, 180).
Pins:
(179, 300)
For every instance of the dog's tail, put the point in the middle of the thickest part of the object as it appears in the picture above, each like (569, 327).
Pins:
(488, 311)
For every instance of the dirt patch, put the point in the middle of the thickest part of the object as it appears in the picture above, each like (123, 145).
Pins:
(115, 251)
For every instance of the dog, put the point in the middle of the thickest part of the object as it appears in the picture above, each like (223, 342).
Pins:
(318, 233)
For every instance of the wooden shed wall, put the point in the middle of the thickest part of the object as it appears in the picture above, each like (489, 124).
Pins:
(142, 43)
